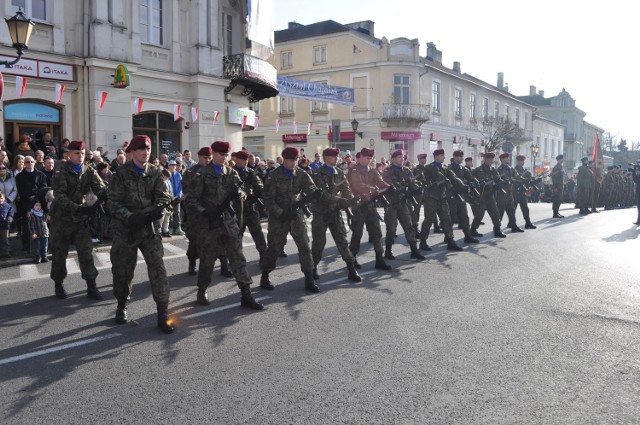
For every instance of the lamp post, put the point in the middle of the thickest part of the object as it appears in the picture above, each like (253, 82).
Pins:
(20, 29)
(354, 126)
(534, 152)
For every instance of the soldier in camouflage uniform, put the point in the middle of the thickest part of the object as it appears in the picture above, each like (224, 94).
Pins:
(405, 183)
(557, 181)
(504, 198)
(464, 184)
(489, 180)
(72, 181)
(418, 172)
(282, 189)
(137, 197)
(209, 197)
(585, 187)
(327, 212)
(477, 202)
(365, 183)
(520, 191)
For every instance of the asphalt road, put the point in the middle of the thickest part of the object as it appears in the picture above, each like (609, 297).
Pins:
(539, 328)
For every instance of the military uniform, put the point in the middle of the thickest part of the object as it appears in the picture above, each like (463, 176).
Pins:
(488, 178)
(504, 198)
(557, 182)
(457, 204)
(585, 188)
(520, 195)
(250, 216)
(191, 230)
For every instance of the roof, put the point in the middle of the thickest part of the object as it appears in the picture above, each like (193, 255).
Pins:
(536, 100)
(300, 31)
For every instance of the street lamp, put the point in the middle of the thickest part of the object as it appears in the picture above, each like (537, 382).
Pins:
(20, 29)
(354, 126)
(534, 152)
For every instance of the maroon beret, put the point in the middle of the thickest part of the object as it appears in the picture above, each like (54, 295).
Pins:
(358, 155)
(438, 152)
(504, 155)
(398, 152)
(458, 153)
(490, 155)
(221, 147)
(331, 152)
(422, 156)
(205, 151)
(290, 153)
(77, 145)
(521, 157)
(138, 142)
(468, 159)
(242, 154)
(368, 152)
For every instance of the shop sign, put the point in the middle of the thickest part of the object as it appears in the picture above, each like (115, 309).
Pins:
(401, 135)
(236, 116)
(294, 138)
(31, 112)
(344, 135)
(39, 69)
(121, 77)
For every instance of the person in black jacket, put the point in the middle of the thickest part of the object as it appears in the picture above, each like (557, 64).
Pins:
(28, 183)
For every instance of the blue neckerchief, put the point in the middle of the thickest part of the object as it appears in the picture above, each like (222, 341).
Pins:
(331, 170)
(217, 169)
(458, 166)
(486, 167)
(398, 167)
(76, 168)
(364, 168)
(287, 172)
(506, 166)
(240, 170)
(139, 170)
(437, 164)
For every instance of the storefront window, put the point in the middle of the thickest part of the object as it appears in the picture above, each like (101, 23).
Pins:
(164, 132)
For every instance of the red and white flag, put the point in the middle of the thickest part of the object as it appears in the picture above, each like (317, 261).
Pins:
(21, 85)
(102, 97)
(59, 92)
(257, 122)
(216, 114)
(295, 127)
(597, 157)
(1, 85)
(330, 132)
(309, 128)
(194, 114)
(244, 121)
(137, 105)
(176, 112)
(277, 125)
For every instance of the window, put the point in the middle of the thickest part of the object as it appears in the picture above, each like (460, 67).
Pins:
(526, 119)
(164, 132)
(319, 106)
(472, 106)
(401, 89)
(151, 22)
(34, 9)
(286, 105)
(286, 60)
(228, 33)
(458, 103)
(485, 108)
(518, 117)
(506, 112)
(319, 55)
(435, 101)
(496, 112)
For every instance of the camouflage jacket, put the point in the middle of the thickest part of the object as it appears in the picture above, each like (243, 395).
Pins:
(402, 178)
(485, 175)
(281, 190)
(333, 185)
(252, 185)
(364, 181)
(70, 190)
(209, 189)
(557, 176)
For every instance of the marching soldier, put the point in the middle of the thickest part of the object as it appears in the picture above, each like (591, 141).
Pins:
(469, 185)
(489, 181)
(327, 213)
(585, 187)
(137, 197)
(557, 182)
(286, 191)
(418, 172)
(72, 181)
(504, 198)
(437, 191)
(211, 196)
(520, 191)
(475, 205)
(367, 184)
(402, 179)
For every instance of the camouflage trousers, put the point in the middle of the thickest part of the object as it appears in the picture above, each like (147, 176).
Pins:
(191, 233)
(439, 207)
(399, 213)
(361, 216)
(277, 239)
(487, 204)
(524, 205)
(64, 233)
(124, 257)
(459, 213)
(333, 221)
(251, 221)
(505, 203)
(222, 239)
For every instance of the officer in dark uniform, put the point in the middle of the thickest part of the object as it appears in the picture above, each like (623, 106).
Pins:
(557, 182)
(504, 197)
(489, 180)
(585, 187)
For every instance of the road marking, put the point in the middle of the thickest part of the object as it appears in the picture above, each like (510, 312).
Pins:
(342, 279)
(58, 348)
(72, 266)
(104, 258)
(217, 309)
(175, 250)
(28, 271)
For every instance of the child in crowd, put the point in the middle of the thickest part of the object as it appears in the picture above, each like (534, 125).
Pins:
(6, 217)
(39, 232)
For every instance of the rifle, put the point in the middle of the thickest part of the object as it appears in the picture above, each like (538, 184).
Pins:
(305, 198)
(216, 212)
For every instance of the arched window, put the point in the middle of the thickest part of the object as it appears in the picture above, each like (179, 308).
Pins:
(164, 132)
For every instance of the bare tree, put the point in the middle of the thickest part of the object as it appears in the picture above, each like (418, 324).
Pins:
(496, 131)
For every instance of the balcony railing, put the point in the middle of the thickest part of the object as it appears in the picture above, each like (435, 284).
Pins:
(397, 111)
(258, 77)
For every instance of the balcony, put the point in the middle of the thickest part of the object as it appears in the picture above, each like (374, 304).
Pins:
(258, 77)
(416, 114)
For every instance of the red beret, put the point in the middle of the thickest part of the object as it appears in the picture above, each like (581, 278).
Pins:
(438, 152)
(504, 155)
(398, 152)
(422, 156)
(290, 153)
(331, 152)
(77, 145)
(221, 147)
(205, 151)
(468, 159)
(490, 155)
(138, 142)
(242, 154)
(521, 157)
(368, 152)
(458, 153)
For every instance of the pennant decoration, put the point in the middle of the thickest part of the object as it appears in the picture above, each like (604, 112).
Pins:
(257, 122)
(295, 127)
(309, 129)
(21, 85)
(244, 121)
(176, 112)
(102, 97)
(59, 92)
(194, 114)
(1, 85)
(277, 125)
(137, 105)
(216, 114)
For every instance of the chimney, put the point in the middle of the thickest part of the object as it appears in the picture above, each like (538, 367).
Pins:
(456, 67)
(541, 93)
(293, 25)
(532, 90)
(500, 80)
(433, 54)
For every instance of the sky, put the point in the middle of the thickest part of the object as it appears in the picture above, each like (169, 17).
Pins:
(587, 48)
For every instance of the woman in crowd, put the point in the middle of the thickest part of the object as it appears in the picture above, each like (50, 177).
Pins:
(18, 164)
(24, 148)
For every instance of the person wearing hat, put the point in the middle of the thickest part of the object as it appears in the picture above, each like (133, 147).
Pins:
(439, 184)
(336, 196)
(71, 183)
(418, 172)
(209, 198)
(585, 187)
(504, 197)
(284, 185)
(489, 180)
(557, 186)
(366, 182)
(521, 192)
(402, 178)
(137, 197)
(458, 204)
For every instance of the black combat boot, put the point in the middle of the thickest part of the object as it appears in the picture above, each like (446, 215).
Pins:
(92, 290)
(247, 300)
(516, 229)
(121, 313)
(381, 264)
(474, 232)
(356, 264)
(224, 267)
(437, 229)
(469, 239)
(60, 291)
(424, 246)
(387, 252)
(353, 273)
(498, 233)
(192, 268)
(310, 284)
(163, 319)
(452, 246)
(202, 298)
(315, 274)
(415, 253)
(265, 283)
(529, 225)
(283, 254)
